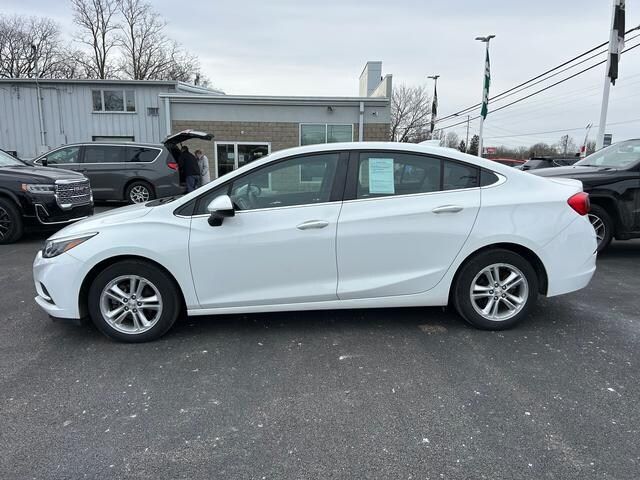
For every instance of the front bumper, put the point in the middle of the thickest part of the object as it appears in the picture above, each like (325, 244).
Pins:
(57, 281)
(57, 216)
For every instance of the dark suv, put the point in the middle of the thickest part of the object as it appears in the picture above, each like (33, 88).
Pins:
(611, 177)
(132, 172)
(39, 197)
(535, 163)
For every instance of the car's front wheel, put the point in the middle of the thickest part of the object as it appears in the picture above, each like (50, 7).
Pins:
(133, 301)
(495, 289)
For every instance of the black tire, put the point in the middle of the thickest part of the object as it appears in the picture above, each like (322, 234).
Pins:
(165, 286)
(11, 226)
(467, 277)
(139, 192)
(605, 235)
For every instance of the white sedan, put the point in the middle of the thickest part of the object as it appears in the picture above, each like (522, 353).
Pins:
(353, 225)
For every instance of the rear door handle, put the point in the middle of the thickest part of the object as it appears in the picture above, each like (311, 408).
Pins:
(308, 225)
(448, 209)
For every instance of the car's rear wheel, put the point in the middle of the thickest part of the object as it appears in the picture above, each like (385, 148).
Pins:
(133, 301)
(11, 227)
(139, 192)
(603, 226)
(496, 289)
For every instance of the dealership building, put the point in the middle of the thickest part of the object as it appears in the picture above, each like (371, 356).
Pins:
(244, 126)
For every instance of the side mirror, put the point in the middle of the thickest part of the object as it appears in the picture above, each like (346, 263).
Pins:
(44, 161)
(219, 208)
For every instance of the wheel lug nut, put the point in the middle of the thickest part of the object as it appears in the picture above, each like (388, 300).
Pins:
(139, 304)
(495, 298)
(135, 310)
(491, 292)
(126, 308)
(504, 296)
(504, 287)
(496, 285)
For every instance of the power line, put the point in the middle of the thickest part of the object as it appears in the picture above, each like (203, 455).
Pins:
(541, 90)
(495, 97)
(609, 124)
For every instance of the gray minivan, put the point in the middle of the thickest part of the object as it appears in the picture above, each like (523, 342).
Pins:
(133, 172)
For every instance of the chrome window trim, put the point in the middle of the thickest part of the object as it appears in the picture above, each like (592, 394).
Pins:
(238, 212)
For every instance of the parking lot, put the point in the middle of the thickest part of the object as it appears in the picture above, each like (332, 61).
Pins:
(397, 393)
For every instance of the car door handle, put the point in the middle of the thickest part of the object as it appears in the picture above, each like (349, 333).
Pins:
(448, 209)
(308, 225)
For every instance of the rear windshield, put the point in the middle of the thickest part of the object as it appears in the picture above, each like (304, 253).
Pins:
(535, 163)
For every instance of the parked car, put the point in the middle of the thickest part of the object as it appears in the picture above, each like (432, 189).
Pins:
(125, 171)
(38, 197)
(548, 162)
(611, 176)
(510, 162)
(332, 226)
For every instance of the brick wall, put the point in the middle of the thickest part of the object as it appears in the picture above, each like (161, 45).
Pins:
(280, 134)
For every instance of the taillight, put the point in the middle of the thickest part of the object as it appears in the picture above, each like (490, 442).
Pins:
(580, 203)
(172, 165)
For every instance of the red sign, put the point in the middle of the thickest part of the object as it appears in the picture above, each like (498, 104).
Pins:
(490, 150)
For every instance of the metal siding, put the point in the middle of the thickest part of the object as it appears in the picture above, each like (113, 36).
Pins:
(67, 111)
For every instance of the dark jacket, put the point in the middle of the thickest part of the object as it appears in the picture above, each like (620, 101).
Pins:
(190, 165)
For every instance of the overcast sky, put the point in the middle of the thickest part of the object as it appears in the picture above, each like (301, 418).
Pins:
(300, 47)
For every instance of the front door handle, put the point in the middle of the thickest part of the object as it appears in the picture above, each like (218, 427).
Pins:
(308, 225)
(448, 209)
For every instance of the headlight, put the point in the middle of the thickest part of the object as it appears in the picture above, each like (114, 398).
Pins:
(38, 188)
(53, 248)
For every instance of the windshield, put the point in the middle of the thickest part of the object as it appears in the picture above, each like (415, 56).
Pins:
(618, 155)
(7, 160)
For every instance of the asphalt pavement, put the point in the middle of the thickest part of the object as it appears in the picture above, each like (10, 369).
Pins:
(384, 394)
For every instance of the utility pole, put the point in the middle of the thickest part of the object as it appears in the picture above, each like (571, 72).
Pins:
(434, 103)
(618, 5)
(34, 51)
(485, 89)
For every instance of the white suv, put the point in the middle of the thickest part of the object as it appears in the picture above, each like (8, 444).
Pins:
(326, 227)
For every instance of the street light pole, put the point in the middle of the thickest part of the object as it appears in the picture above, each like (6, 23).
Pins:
(485, 89)
(434, 103)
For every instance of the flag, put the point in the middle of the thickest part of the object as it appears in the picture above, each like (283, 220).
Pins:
(616, 45)
(485, 90)
(434, 108)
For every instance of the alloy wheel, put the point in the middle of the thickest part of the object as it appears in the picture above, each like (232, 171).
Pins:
(499, 291)
(139, 194)
(599, 227)
(5, 223)
(131, 304)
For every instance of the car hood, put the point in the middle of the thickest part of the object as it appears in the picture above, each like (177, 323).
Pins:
(573, 171)
(97, 222)
(41, 174)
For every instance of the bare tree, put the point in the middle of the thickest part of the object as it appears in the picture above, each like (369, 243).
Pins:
(452, 140)
(566, 145)
(27, 40)
(98, 22)
(148, 54)
(410, 113)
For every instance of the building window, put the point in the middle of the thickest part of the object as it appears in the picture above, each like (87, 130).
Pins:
(313, 133)
(153, 111)
(113, 100)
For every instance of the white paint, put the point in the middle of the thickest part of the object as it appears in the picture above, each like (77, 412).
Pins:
(389, 252)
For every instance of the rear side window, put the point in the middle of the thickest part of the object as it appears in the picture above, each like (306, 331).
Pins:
(140, 154)
(487, 178)
(103, 154)
(383, 174)
(458, 176)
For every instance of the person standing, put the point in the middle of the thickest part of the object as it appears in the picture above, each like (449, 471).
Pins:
(190, 168)
(203, 163)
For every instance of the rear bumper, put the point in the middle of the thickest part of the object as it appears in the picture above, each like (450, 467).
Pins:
(570, 258)
(57, 283)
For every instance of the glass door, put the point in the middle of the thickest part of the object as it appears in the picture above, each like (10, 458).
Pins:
(225, 158)
(232, 155)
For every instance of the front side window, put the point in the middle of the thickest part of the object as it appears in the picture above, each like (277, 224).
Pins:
(102, 154)
(63, 156)
(279, 184)
(113, 100)
(315, 133)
